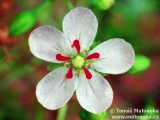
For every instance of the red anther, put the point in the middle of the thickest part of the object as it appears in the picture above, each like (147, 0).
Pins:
(85, 51)
(59, 57)
(77, 45)
(78, 71)
(69, 74)
(93, 55)
(64, 63)
(89, 64)
(87, 73)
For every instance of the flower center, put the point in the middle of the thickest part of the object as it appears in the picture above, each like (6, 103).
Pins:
(78, 62)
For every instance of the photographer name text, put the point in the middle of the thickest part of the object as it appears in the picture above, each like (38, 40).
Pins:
(136, 110)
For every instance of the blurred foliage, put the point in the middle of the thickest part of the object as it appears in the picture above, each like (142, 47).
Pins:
(149, 106)
(136, 21)
(10, 108)
(25, 20)
(102, 4)
(141, 64)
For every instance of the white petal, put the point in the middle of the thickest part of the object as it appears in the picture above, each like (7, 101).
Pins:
(116, 56)
(46, 41)
(54, 90)
(80, 23)
(94, 95)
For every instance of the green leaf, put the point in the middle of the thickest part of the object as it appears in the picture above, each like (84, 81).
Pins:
(103, 74)
(85, 115)
(94, 44)
(54, 66)
(141, 64)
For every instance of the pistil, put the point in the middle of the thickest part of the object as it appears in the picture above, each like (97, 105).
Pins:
(78, 61)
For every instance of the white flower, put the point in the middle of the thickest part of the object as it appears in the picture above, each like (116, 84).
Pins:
(71, 47)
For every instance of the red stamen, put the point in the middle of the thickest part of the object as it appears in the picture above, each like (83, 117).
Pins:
(59, 57)
(87, 73)
(93, 55)
(77, 45)
(69, 74)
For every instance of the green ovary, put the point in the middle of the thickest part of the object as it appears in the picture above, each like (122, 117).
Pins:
(78, 61)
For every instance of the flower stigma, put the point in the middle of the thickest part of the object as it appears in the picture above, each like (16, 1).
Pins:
(78, 61)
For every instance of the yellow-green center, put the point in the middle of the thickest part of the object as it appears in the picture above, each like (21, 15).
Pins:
(78, 61)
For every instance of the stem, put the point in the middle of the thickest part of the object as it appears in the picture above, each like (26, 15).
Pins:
(39, 113)
(5, 50)
(23, 61)
(42, 6)
(62, 112)
(69, 4)
(9, 57)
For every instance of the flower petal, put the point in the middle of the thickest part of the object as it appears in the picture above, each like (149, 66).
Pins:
(80, 23)
(46, 41)
(94, 95)
(116, 56)
(54, 90)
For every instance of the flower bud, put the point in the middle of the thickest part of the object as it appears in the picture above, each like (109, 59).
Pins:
(3, 33)
(26, 20)
(102, 4)
(85, 115)
(100, 116)
(22, 22)
(141, 64)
